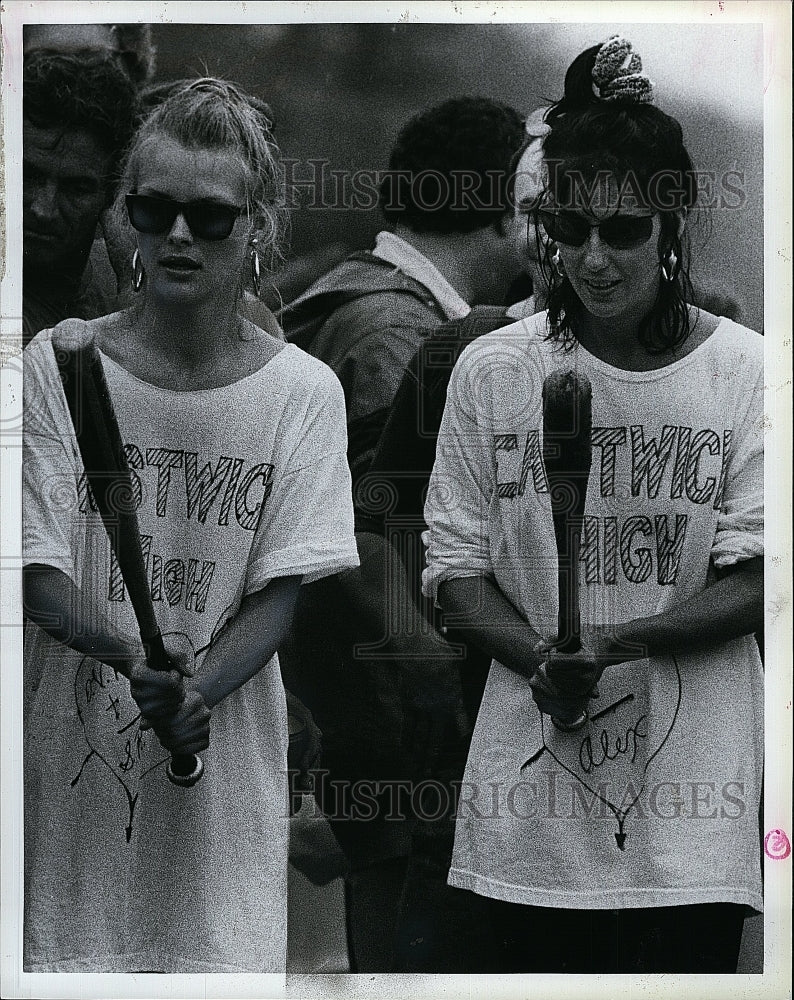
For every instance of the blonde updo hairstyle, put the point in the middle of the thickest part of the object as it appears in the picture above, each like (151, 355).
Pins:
(214, 114)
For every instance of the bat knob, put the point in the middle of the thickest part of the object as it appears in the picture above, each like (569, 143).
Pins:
(187, 773)
(72, 335)
(571, 725)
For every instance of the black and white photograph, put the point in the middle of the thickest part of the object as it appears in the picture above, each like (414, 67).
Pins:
(395, 467)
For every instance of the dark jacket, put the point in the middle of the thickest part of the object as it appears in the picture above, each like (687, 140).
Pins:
(401, 466)
(365, 319)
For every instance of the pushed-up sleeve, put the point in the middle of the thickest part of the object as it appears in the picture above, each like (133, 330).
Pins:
(740, 524)
(307, 524)
(50, 502)
(462, 481)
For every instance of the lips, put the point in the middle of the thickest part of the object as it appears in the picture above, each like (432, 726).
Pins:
(601, 286)
(174, 263)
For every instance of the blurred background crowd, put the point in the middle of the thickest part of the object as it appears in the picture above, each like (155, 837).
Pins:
(340, 93)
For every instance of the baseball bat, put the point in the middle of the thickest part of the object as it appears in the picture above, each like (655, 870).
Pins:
(567, 455)
(108, 475)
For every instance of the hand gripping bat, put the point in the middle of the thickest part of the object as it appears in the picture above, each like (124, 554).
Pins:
(108, 476)
(567, 451)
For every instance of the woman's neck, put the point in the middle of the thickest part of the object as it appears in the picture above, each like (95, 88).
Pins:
(191, 338)
(615, 340)
(618, 342)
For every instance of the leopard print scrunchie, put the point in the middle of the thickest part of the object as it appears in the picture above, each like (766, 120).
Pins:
(617, 73)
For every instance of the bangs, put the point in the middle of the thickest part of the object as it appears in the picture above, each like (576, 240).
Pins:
(601, 180)
(636, 154)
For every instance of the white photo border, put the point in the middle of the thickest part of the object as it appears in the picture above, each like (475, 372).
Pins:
(775, 17)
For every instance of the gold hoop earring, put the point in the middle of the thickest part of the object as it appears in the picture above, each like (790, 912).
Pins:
(669, 266)
(256, 275)
(138, 273)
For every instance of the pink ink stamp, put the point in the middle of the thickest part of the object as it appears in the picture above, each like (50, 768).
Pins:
(777, 845)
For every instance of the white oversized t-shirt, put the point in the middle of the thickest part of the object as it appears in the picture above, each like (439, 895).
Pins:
(655, 802)
(236, 486)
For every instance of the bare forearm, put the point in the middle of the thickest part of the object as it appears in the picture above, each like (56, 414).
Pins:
(728, 608)
(53, 602)
(482, 614)
(249, 641)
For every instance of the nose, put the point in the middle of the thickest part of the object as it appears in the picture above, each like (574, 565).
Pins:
(180, 231)
(595, 250)
(43, 204)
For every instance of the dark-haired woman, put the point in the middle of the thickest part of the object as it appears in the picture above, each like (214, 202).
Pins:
(629, 844)
(236, 443)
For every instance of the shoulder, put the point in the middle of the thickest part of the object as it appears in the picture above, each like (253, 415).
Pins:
(73, 333)
(69, 335)
(257, 313)
(499, 375)
(381, 331)
(737, 346)
(302, 372)
(522, 343)
(742, 335)
(386, 308)
(360, 276)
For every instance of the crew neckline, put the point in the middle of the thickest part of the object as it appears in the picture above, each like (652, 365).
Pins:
(194, 392)
(652, 374)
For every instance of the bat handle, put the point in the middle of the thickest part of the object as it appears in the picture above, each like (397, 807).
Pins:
(184, 769)
(568, 621)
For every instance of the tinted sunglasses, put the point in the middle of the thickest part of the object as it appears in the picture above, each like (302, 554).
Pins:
(208, 220)
(621, 232)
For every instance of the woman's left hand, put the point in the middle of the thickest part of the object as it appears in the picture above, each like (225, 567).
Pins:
(187, 731)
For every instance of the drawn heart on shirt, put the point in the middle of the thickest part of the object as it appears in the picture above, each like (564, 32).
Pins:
(111, 722)
(610, 755)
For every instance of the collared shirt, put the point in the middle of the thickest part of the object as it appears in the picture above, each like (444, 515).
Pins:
(395, 250)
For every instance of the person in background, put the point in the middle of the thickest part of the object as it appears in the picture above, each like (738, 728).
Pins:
(443, 198)
(129, 44)
(625, 841)
(440, 927)
(237, 448)
(78, 118)
(385, 694)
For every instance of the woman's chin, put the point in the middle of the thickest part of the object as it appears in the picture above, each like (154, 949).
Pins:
(184, 293)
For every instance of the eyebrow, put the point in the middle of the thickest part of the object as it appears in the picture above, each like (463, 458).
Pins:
(155, 193)
(583, 214)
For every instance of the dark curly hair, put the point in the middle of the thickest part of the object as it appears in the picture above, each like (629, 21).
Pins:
(643, 149)
(449, 170)
(64, 91)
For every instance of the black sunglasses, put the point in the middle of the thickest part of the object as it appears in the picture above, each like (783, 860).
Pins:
(621, 232)
(208, 220)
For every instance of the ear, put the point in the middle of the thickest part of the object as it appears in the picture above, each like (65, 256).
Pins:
(263, 230)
